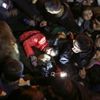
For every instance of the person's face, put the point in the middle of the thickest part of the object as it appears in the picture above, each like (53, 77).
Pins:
(87, 14)
(76, 48)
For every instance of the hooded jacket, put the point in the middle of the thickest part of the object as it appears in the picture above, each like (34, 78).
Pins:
(31, 39)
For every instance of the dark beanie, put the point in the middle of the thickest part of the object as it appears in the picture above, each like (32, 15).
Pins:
(53, 4)
(58, 29)
(12, 69)
(85, 42)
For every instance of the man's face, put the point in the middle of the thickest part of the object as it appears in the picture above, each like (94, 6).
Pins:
(87, 14)
(76, 48)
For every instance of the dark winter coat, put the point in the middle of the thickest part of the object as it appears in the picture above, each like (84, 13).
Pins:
(65, 20)
(82, 59)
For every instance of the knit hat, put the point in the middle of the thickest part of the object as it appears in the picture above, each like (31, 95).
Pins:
(53, 5)
(12, 69)
(58, 29)
(84, 41)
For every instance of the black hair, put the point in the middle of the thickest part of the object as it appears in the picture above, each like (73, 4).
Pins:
(26, 93)
(85, 42)
(93, 75)
(12, 69)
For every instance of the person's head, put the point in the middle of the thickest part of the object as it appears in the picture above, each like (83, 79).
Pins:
(12, 69)
(87, 13)
(8, 46)
(93, 74)
(53, 6)
(82, 43)
(26, 93)
(6, 32)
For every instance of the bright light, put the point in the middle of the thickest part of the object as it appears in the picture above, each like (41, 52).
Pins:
(63, 74)
(4, 5)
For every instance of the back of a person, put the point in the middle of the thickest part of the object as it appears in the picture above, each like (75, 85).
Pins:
(8, 42)
(26, 93)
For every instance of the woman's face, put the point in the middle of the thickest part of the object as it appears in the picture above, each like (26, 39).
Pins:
(76, 48)
(87, 14)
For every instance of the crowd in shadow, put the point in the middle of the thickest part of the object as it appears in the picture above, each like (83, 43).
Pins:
(50, 50)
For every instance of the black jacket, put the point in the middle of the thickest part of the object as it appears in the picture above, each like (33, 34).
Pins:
(82, 59)
(66, 20)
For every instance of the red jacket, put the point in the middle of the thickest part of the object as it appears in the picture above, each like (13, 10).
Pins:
(31, 39)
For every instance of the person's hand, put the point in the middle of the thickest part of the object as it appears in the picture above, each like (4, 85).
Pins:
(96, 25)
(43, 23)
(22, 82)
(61, 35)
(51, 51)
(30, 22)
(13, 12)
(33, 60)
(2, 93)
(44, 57)
(71, 35)
(82, 73)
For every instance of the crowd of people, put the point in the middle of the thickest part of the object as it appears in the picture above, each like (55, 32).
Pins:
(50, 49)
